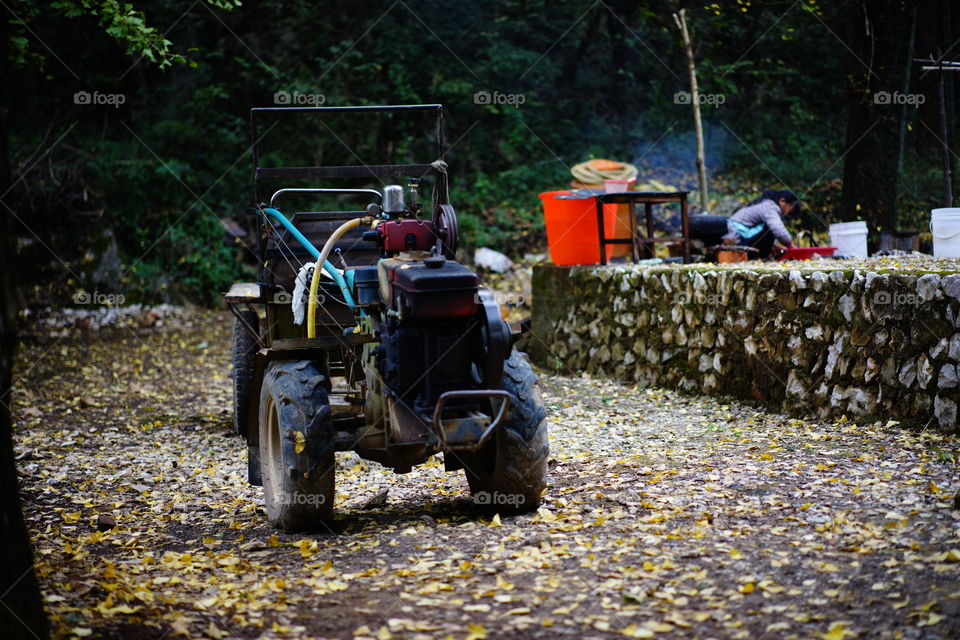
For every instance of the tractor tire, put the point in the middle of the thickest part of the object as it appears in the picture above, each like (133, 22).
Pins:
(509, 473)
(297, 462)
(245, 349)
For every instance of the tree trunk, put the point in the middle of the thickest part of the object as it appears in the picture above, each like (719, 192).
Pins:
(877, 34)
(947, 40)
(21, 613)
(681, 20)
(944, 137)
(905, 88)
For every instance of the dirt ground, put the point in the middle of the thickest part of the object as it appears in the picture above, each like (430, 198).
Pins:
(665, 516)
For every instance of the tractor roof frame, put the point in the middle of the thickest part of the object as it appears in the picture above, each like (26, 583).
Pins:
(262, 174)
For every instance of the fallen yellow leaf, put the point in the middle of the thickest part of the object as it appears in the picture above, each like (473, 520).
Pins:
(837, 631)
(633, 631)
(934, 618)
(307, 547)
(300, 442)
(546, 515)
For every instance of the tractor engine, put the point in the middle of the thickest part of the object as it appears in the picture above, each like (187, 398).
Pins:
(438, 331)
(430, 335)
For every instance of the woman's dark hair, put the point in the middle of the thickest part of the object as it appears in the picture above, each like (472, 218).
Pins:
(776, 194)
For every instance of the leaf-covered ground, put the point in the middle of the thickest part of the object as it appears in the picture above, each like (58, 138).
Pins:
(665, 516)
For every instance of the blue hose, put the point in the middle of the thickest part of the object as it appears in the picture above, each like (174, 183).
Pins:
(327, 265)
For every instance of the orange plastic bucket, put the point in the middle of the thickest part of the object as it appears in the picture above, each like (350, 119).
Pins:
(572, 235)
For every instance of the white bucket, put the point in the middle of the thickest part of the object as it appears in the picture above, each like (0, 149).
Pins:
(945, 227)
(850, 238)
(618, 186)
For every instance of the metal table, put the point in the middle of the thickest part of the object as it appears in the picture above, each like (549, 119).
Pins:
(648, 199)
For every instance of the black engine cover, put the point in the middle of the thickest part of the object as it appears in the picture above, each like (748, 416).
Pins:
(430, 289)
(420, 360)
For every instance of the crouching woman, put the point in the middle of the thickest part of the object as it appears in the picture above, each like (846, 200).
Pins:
(760, 223)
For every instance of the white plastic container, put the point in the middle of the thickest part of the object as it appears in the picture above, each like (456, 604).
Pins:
(945, 227)
(850, 238)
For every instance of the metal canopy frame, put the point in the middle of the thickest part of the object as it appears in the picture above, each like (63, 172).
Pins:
(261, 174)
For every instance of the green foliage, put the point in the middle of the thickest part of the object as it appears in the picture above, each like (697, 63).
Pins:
(173, 241)
(121, 21)
(595, 80)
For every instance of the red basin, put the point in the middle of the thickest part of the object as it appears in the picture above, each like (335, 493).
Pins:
(805, 253)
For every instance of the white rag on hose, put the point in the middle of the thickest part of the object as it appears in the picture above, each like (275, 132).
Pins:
(301, 292)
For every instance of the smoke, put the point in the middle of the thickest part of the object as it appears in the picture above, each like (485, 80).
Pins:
(670, 157)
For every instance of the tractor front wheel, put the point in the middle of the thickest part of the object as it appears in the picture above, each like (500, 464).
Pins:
(297, 460)
(509, 473)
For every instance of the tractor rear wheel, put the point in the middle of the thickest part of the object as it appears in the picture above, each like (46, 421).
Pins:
(509, 473)
(296, 447)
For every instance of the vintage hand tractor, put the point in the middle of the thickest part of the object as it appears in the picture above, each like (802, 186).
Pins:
(395, 353)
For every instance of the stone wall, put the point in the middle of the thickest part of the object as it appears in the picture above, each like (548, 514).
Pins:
(870, 340)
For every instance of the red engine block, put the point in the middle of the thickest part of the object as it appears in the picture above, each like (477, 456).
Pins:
(407, 235)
